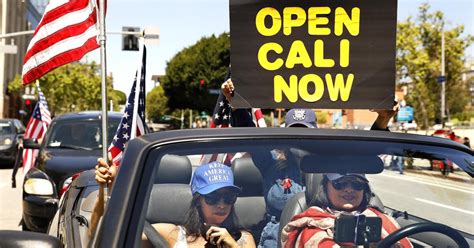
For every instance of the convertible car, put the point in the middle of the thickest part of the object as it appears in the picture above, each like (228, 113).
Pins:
(152, 185)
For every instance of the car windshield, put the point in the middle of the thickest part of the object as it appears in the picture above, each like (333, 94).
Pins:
(410, 181)
(84, 135)
(6, 128)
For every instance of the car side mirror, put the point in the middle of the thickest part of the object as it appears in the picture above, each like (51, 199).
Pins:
(31, 144)
(20, 131)
(27, 239)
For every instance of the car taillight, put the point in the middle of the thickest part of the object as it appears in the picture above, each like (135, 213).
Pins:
(67, 183)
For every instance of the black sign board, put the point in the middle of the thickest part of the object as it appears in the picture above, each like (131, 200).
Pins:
(313, 54)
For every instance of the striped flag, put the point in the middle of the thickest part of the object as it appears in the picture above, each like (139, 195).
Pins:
(67, 31)
(221, 119)
(133, 117)
(36, 128)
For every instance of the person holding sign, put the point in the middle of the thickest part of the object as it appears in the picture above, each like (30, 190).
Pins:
(338, 195)
(286, 161)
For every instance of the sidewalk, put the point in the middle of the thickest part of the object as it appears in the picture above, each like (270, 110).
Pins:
(455, 176)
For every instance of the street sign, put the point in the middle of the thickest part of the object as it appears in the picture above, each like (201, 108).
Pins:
(405, 114)
(214, 91)
(28, 97)
(8, 49)
(152, 35)
(441, 79)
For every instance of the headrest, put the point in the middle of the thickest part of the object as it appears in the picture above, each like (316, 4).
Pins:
(174, 169)
(174, 208)
(312, 182)
(247, 177)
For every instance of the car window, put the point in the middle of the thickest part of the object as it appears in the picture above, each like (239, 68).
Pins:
(6, 128)
(425, 181)
(79, 134)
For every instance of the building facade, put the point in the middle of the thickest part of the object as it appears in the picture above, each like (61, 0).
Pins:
(15, 16)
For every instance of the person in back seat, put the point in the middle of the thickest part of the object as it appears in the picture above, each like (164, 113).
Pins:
(211, 218)
(338, 194)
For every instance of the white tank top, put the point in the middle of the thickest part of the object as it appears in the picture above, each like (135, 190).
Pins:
(181, 241)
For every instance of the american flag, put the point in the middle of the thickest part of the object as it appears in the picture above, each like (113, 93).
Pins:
(67, 31)
(221, 118)
(124, 131)
(36, 128)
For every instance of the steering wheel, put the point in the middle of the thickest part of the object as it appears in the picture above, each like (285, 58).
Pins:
(423, 227)
(154, 236)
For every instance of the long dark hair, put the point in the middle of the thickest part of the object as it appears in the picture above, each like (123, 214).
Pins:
(194, 223)
(322, 200)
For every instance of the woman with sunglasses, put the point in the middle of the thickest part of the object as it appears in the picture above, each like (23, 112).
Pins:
(338, 194)
(211, 219)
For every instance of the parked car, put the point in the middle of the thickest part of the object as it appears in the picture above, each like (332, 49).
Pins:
(152, 184)
(71, 145)
(445, 166)
(11, 133)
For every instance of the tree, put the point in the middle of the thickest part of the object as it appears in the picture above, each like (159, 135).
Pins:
(418, 63)
(156, 104)
(73, 87)
(195, 70)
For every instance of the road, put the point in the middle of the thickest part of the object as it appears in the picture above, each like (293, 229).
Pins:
(10, 200)
(434, 198)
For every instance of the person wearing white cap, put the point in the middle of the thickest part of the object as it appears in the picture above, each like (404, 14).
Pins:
(338, 194)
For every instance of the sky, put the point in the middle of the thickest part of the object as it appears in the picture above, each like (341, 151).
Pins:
(183, 22)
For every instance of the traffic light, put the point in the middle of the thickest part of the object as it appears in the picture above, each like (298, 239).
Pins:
(201, 83)
(130, 41)
(29, 106)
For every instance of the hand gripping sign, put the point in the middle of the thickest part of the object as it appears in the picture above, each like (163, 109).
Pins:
(313, 54)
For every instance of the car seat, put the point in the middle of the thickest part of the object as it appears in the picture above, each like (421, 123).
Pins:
(171, 183)
(174, 169)
(250, 207)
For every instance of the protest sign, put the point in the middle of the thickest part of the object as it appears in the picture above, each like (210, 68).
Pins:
(313, 54)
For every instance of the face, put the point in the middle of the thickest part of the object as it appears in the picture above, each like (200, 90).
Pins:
(217, 206)
(343, 196)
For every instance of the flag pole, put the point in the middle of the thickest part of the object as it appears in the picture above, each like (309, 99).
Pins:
(141, 47)
(103, 62)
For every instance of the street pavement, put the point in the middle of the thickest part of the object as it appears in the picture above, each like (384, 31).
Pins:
(10, 200)
(447, 200)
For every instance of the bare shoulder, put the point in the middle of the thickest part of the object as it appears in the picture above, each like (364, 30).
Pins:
(246, 241)
(168, 231)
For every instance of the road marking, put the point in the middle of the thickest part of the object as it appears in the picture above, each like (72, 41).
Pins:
(445, 206)
(428, 183)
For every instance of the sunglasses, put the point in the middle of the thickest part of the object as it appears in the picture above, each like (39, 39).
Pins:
(340, 185)
(214, 198)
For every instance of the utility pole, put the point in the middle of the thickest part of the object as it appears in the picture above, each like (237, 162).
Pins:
(443, 76)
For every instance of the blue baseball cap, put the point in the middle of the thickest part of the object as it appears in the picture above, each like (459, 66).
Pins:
(301, 117)
(211, 177)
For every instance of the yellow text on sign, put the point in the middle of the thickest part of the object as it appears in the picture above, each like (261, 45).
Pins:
(298, 55)
(315, 18)
(294, 88)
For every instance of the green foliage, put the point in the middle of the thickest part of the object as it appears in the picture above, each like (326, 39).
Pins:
(418, 64)
(175, 122)
(72, 87)
(206, 60)
(156, 104)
